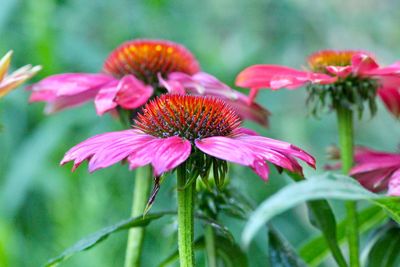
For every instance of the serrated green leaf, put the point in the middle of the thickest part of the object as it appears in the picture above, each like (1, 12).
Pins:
(315, 250)
(326, 186)
(281, 253)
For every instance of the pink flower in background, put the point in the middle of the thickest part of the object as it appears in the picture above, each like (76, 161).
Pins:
(330, 67)
(135, 72)
(8, 82)
(172, 128)
(376, 170)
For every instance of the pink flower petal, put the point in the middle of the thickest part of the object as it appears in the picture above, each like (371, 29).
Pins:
(104, 100)
(340, 71)
(172, 86)
(276, 77)
(68, 90)
(394, 184)
(106, 149)
(393, 69)
(71, 83)
(362, 63)
(132, 93)
(164, 154)
(391, 99)
(249, 150)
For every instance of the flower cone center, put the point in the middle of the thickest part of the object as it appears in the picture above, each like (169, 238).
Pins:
(190, 117)
(145, 59)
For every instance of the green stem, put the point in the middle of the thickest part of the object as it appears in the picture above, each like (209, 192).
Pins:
(345, 124)
(210, 246)
(140, 197)
(185, 219)
(315, 207)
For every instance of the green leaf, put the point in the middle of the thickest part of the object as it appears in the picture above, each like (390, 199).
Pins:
(385, 251)
(281, 253)
(96, 238)
(326, 186)
(229, 253)
(315, 250)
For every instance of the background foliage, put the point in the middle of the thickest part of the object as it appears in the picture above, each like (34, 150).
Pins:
(45, 208)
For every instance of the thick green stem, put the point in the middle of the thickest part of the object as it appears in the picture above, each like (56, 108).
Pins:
(185, 219)
(209, 236)
(345, 123)
(140, 198)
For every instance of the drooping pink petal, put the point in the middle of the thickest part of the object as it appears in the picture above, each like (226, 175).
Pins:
(71, 83)
(340, 71)
(68, 90)
(228, 149)
(249, 150)
(172, 86)
(277, 145)
(205, 84)
(104, 100)
(391, 99)
(362, 63)
(276, 77)
(394, 184)
(106, 149)
(393, 69)
(132, 92)
(163, 153)
(249, 111)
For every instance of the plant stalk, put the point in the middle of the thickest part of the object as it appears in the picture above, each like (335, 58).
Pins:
(140, 198)
(346, 136)
(185, 218)
(209, 237)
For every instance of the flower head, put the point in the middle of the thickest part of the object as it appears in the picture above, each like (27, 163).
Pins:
(376, 170)
(347, 78)
(134, 73)
(202, 131)
(8, 82)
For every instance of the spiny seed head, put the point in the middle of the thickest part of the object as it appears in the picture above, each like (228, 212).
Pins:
(145, 59)
(190, 117)
(320, 60)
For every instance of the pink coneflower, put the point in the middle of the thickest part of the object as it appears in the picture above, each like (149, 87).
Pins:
(8, 82)
(135, 72)
(376, 170)
(172, 129)
(349, 77)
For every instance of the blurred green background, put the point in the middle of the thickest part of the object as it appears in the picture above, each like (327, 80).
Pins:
(45, 208)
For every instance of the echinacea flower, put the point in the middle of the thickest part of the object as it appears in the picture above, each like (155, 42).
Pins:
(135, 72)
(8, 82)
(173, 129)
(376, 170)
(349, 77)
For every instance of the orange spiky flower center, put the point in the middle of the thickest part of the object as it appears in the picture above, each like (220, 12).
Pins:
(320, 60)
(190, 117)
(145, 59)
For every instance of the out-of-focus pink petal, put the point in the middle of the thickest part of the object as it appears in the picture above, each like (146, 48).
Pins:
(104, 100)
(339, 71)
(260, 167)
(164, 154)
(132, 93)
(393, 69)
(248, 111)
(71, 83)
(172, 86)
(391, 99)
(362, 63)
(276, 77)
(106, 149)
(394, 184)
(69, 101)
(68, 90)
